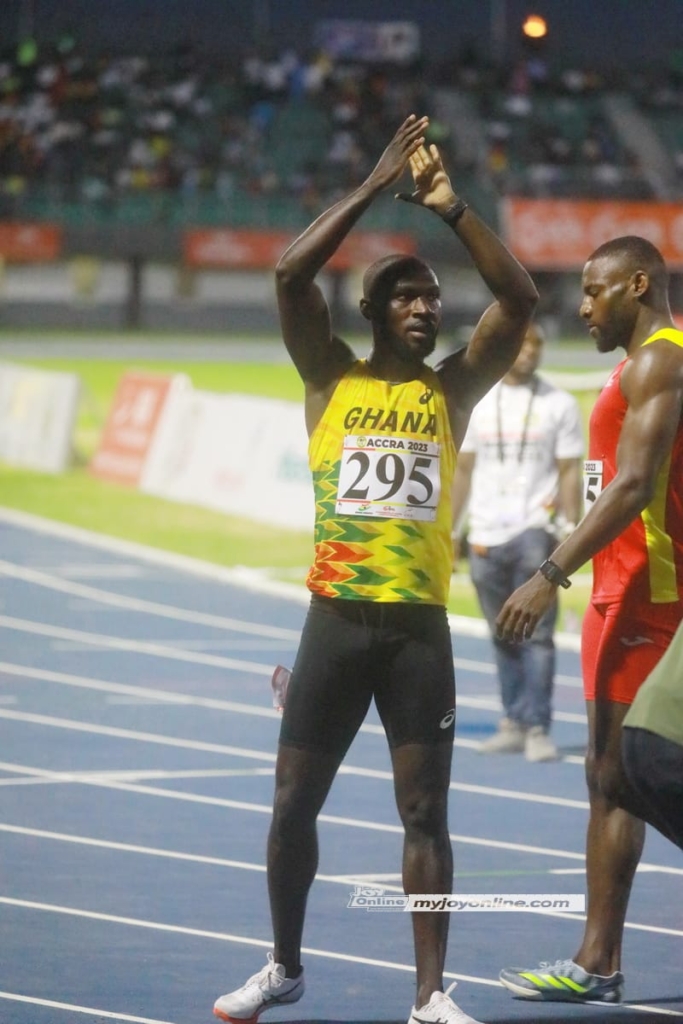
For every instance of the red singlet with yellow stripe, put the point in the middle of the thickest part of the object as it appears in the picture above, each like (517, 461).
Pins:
(645, 562)
(382, 459)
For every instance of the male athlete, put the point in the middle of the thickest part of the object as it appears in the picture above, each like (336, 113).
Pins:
(633, 531)
(383, 438)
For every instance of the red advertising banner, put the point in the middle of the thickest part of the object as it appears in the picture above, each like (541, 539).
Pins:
(559, 234)
(222, 248)
(30, 243)
(130, 426)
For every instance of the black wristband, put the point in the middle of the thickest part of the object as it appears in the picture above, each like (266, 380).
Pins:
(554, 574)
(454, 212)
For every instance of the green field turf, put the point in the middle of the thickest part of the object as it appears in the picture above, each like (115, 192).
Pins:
(80, 499)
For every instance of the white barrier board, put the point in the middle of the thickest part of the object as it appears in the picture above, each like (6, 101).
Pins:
(238, 454)
(37, 417)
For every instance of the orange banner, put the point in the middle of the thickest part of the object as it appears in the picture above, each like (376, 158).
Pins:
(130, 427)
(30, 243)
(260, 250)
(559, 234)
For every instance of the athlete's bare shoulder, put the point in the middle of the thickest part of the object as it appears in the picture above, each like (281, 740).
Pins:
(653, 367)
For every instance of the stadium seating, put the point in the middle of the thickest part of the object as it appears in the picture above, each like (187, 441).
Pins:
(273, 139)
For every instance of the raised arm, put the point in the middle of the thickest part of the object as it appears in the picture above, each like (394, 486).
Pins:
(468, 374)
(319, 357)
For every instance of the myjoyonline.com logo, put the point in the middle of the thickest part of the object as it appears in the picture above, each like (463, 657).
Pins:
(373, 898)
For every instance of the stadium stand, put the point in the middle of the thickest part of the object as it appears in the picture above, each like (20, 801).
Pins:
(268, 139)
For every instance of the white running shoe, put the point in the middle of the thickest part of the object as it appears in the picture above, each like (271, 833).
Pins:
(269, 987)
(538, 745)
(509, 739)
(440, 1010)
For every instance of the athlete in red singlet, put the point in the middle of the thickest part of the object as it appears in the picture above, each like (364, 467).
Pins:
(633, 531)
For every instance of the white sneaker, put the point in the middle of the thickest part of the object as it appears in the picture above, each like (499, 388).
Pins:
(508, 740)
(539, 746)
(268, 988)
(440, 1010)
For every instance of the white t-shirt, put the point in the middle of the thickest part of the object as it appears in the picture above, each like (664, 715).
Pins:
(517, 434)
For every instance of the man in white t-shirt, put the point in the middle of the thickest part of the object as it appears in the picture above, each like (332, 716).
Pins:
(520, 468)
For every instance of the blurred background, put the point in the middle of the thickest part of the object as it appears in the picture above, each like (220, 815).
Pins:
(155, 153)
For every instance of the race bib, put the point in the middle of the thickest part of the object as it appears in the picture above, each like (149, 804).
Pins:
(592, 481)
(389, 477)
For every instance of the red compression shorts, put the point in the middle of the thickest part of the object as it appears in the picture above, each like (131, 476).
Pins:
(620, 646)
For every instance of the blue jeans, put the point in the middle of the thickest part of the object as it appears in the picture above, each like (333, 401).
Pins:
(525, 671)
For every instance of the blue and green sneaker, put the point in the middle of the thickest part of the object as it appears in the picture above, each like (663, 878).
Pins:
(563, 982)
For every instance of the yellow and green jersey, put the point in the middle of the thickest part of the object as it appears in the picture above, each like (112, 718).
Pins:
(382, 459)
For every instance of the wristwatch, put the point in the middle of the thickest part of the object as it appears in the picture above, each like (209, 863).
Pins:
(453, 214)
(554, 574)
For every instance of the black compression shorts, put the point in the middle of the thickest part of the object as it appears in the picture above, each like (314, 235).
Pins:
(352, 651)
(654, 767)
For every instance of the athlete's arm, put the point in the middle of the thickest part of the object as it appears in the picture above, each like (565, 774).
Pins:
(304, 314)
(469, 373)
(652, 384)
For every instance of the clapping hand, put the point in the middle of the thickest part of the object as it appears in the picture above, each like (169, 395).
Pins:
(433, 187)
(399, 152)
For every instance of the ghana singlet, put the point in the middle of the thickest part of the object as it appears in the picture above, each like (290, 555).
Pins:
(382, 459)
(645, 562)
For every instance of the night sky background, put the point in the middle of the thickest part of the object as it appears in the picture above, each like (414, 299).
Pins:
(600, 34)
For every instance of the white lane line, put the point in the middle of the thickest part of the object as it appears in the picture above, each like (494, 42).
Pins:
(145, 774)
(384, 879)
(242, 805)
(171, 696)
(26, 782)
(54, 722)
(150, 702)
(493, 704)
(126, 689)
(267, 944)
(138, 647)
(151, 851)
(227, 937)
(108, 597)
(174, 697)
(239, 577)
(489, 669)
(92, 1011)
(132, 734)
(86, 778)
(250, 646)
(92, 641)
(644, 1008)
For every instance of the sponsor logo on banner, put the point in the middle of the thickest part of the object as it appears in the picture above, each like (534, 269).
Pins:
(30, 243)
(130, 426)
(257, 250)
(560, 234)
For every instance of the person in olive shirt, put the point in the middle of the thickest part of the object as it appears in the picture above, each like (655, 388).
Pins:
(652, 743)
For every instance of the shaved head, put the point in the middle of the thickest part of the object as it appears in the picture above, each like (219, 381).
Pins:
(381, 276)
(633, 254)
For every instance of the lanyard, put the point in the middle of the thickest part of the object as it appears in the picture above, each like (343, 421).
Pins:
(525, 427)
